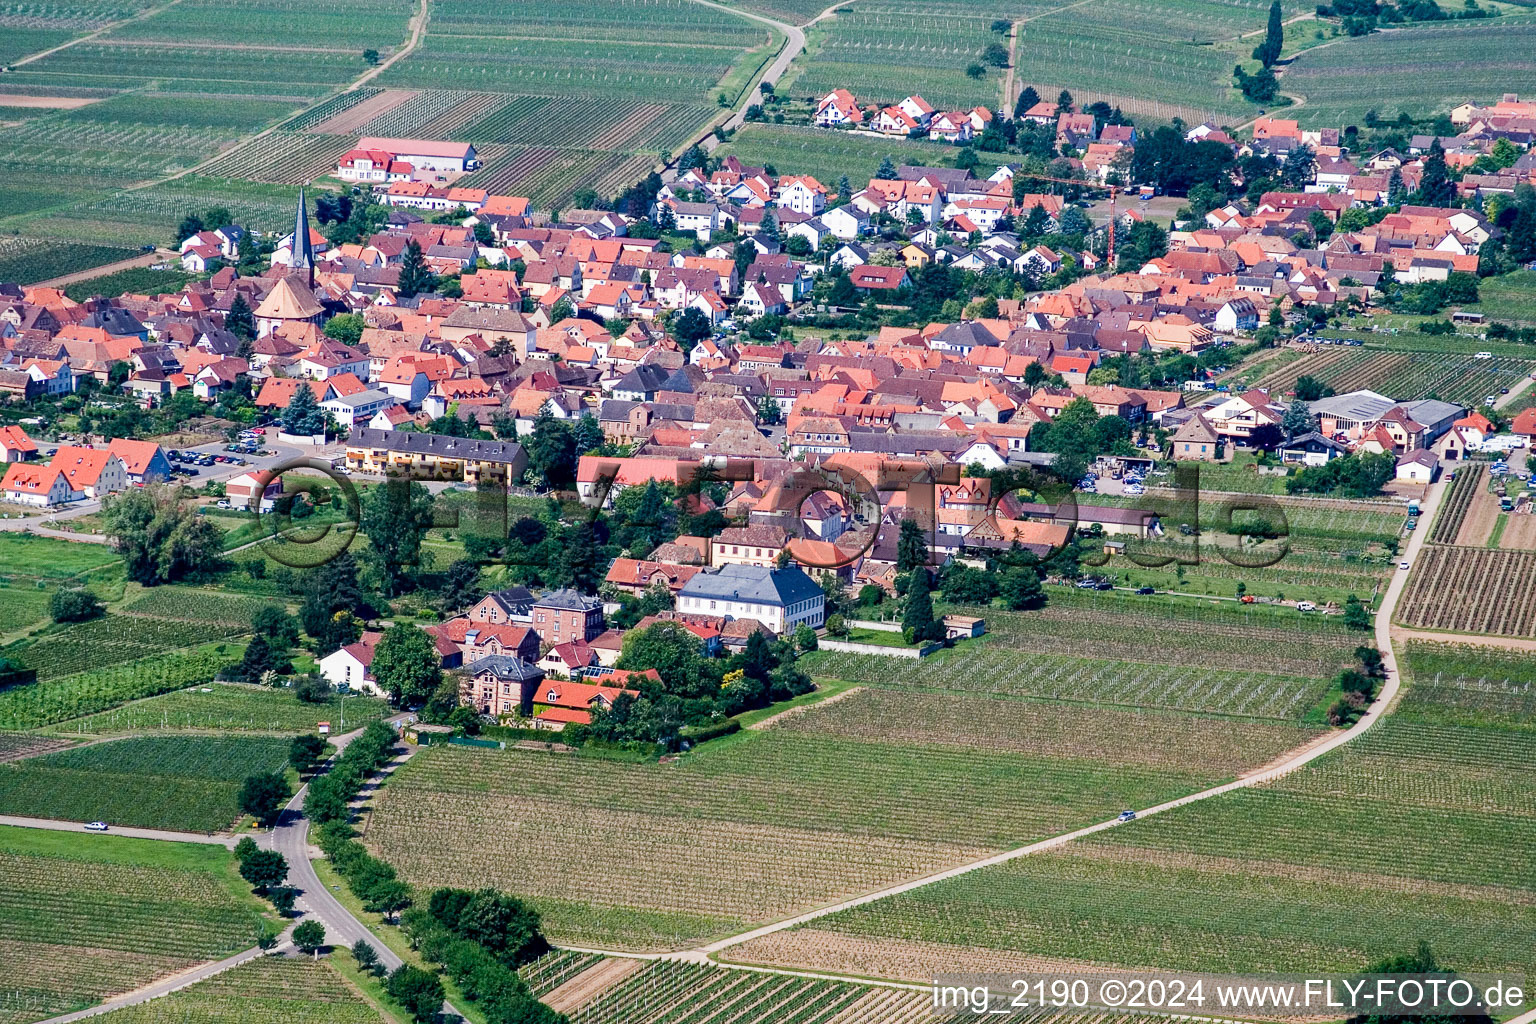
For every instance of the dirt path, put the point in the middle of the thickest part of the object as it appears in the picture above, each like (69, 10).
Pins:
(1477, 527)
(1013, 63)
(590, 984)
(145, 260)
(802, 709)
(1508, 643)
(148, 12)
(794, 43)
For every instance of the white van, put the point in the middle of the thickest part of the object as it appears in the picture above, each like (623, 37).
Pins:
(1305, 606)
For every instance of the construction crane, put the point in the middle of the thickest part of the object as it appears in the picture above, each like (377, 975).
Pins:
(1113, 191)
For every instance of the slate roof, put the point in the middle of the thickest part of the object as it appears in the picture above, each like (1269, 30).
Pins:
(755, 584)
(436, 444)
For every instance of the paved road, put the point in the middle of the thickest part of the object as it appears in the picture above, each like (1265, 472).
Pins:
(119, 830)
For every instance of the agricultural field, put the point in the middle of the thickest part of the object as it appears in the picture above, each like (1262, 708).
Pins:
(1422, 829)
(150, 215)
(227, 707)
(112, 640)
(766, 808)
(30, 260)
(1421, 70)
(188, 783)
(1008, 740)
(826, 154)
(1333, 547)
(267, 990)
(17, 745)
(1511, 298)
(1462, 685)
(664, 990)
(1472, 590)
(135, 281)
(85, 920)
(1463, 491)
(1110, 51)
(67, 697)
(1404, 375)
(883, 51)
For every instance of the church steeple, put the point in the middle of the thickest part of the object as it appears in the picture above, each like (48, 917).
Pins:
(303, 251)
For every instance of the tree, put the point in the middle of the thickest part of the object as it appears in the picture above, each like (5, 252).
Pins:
(262, 796)
(461, 585)
(305, 752)
(768, 411)
(273, 622)
(303, 415)
(887, 170)
(365, 955)
(190, 225)
(1063, 102)
(415, 275)
(283, 897)
(406, 664)
(1436, 187)
(995, 54)
(551, 451)
(1309, 389)
(1370, 660)
(389, 896)
(346, 328)
(394, 519)
(1298, 420)
(258, 660)
(917, 622)
(1028, 97)
(1268, 51)
(1355, 615)
(689, 328)
(844, 188)
(370, 56)
(313, 689)
(667, 647)
(1020, 588)
(309, 936)
(75, 605)
(240, 321)
(911, 547)
(264, 869)
(419, 991)
(159, 538)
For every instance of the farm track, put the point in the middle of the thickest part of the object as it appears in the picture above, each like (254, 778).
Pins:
(148, 12)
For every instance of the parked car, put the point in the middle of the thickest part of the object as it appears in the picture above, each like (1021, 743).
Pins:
(1247, 599)
(222, 503)
(1305, 606)
(96, 826)
(1402, 565)
(1127, 816)
(1146, 590)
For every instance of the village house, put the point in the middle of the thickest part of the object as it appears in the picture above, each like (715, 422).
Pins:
(780, 599)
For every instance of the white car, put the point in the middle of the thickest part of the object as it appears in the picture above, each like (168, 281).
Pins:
(1305, 606)
(96, 826)
(1402, 565)
(1483, 355)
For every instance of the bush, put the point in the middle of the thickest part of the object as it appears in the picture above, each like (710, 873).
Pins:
(75, 606)
(419, 991)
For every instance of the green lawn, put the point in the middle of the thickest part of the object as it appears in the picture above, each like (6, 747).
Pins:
(25, 555)
(176, 782)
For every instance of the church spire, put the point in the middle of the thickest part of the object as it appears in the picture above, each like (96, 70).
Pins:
(303, 251)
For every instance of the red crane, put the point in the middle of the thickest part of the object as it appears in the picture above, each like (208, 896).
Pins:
(1113, 190)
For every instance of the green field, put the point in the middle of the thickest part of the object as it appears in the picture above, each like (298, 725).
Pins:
(228, 707)
(1422, 829)
(88, 917)
(139, 281)
(30, 260)
(986, 747)
(1510, 298)
(827, 155)
(1421, 70)
(188, 783)
(25, 555)
(268, 990)
(71, 696)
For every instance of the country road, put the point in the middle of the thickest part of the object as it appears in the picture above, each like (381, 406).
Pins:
(119, 830)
